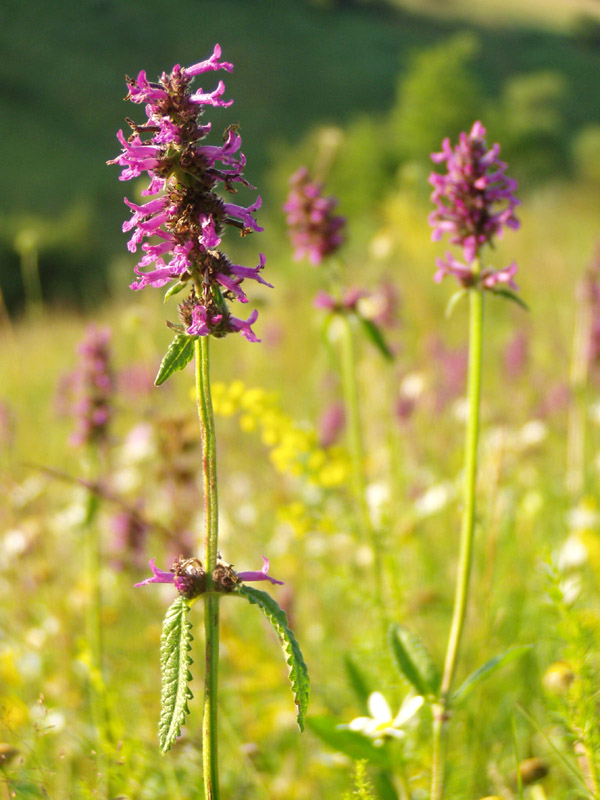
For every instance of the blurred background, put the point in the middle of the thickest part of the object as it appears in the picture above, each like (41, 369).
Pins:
(360, 92)
(387, 80)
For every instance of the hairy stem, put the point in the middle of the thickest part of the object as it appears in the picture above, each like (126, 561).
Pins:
(211, 600)
(466, 542)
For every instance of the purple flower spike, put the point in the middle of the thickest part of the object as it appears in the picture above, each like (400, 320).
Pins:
(263, 575)
(475, 201)
(92, 385)
(180, 229)
(313, 228)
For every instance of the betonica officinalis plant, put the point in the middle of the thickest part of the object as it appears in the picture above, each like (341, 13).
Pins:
(179, 231)
(474, 201)
(316, 233)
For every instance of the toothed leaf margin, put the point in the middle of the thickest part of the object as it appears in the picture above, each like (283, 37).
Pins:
(175, 644)
(179, 354)
(298, 672)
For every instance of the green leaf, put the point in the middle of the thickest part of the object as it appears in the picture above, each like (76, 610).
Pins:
(454, 300)
(357, 680)
(510, 295)
(413, 660)
(298, 672)
(178, 356)
(375, 335)
(352, 743)
(175, 675)
(488, 669)
(173, 290)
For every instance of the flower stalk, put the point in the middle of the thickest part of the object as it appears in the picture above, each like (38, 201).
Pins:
(475, 202)
(466, 540)
(211, 600)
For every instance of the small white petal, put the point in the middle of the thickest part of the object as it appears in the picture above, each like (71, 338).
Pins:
(379, 708)
(408, 709)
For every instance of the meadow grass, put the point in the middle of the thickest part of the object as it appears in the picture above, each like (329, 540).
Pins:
(414, 466)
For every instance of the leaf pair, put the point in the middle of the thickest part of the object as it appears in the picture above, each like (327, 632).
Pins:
(174, 660)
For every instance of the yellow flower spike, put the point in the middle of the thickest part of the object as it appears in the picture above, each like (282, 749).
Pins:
(236, 390)
(9, 672)
(227, 408)
(248, 423)
(316, 460)
(252, 398)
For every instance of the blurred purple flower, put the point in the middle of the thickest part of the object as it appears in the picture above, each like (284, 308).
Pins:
(588, 295)
(180, 229)
(129, 538)
(349, 301)
(92, 386)
(331, 424)
(516, 354)
(7, 425)
(475, 200)
(316, 232)
(189, 577)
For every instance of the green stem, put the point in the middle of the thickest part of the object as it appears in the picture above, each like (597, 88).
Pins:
(211, 600)
(355, 445)
(93, 625)
(466, 542)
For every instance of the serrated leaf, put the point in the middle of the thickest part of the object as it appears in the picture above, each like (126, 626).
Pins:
(413, 660)
(510, 295)
(488, 669)
(376, 337)
(175, 644)
(352, 743)
(454, 300)
(298, 672)
(178, 356)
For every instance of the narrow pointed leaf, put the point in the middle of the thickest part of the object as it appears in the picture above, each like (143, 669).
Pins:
(357, 680)
(413, 660)
(352, 743)
(173, 290)
(454, 300)
(178, 356)
(510, 295)
(376, 337)
(488, 669)
(175, 674)
(298, 672)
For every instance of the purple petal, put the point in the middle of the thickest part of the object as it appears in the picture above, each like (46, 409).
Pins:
(158, 575)
(259, 576)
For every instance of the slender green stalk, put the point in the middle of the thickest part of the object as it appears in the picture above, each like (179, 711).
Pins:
(211, 599)
(93, 626)
(355, 445)
(466, 542)
(575, 479)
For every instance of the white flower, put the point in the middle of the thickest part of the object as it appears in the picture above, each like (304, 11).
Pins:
(381, 723)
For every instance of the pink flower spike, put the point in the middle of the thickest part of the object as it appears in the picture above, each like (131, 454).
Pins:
(158, 575)
(263, 575)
